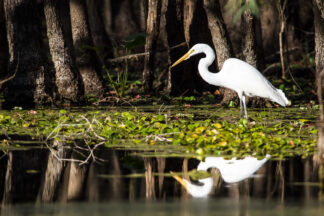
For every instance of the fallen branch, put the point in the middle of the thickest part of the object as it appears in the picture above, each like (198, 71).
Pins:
(159, 137)
(55, 133)
(91, 128)
(11, 77)
(137, 55)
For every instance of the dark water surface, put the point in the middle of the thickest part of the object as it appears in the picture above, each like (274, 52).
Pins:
(33, 182)
(224, 207)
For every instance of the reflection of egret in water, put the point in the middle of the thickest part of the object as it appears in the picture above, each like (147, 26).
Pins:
(232, 171)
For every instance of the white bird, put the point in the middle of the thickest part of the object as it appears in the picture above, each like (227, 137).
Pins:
(237, 75)
(232, 171)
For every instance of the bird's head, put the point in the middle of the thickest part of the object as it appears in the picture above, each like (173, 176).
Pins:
(198, 191)
(198, 48)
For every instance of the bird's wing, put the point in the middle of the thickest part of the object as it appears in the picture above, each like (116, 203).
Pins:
(242, 77)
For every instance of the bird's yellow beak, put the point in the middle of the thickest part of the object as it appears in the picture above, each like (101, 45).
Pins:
(180, 180)
(184, 57)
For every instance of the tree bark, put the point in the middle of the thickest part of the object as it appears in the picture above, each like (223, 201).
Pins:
(182, 21)
(4, 55)
(221, 41)
(26, 54)
(153, 25)
(143, 14)
(118, 18)
(172, 12)
(195, 20)
(100, 38)
(270, 28)
(68, 80)
(85, 57)
(252, 47)
(319, 62)
(218, 31)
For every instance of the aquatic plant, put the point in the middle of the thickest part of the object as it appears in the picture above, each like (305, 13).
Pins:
(166, 131)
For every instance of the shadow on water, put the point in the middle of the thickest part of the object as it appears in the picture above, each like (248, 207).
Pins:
(34, 181)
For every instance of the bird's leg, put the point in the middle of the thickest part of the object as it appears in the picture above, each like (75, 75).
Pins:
(243, 100)
(241, 107)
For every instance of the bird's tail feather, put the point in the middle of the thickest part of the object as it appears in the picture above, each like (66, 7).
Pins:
(282, 100)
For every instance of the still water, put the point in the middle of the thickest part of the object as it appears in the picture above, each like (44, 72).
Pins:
(34, 182)
(225, 207)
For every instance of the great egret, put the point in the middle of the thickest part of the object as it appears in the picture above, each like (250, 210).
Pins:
(236, 75)
(232, 171)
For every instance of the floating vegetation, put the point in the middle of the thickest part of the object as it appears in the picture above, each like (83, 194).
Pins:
(194, 130)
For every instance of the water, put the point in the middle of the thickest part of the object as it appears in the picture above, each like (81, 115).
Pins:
(125, 183)
(224, 207)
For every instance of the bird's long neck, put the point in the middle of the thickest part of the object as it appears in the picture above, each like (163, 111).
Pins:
(204, 63)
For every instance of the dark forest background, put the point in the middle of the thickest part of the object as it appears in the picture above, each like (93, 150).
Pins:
(54, 51)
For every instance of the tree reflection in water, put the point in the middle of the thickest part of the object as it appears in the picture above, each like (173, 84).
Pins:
(36, 175)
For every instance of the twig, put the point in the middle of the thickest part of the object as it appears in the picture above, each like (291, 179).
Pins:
(91, 128)
(57, 127)
(12, 76)
(159, 137)
(90, 150)
(137, 55)
(282, 18)
(60, 126)
(91, 154)
(161, 109)
(59, 158)
(270, 67)
(131, 56)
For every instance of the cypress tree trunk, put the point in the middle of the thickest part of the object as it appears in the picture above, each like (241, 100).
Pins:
(252, 47)
(26, 54)
(196, 31)
(221, 41)
(85, 57)
(99, 36)
(319, 61)
(153, 25)
(172, 12)
(4, 55)
(68, 80)
(143, 14)
(118, 18)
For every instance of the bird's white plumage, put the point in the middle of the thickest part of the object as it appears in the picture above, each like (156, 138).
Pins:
(232, 171)
(236, 75)
(202, 190)
(242, 77)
